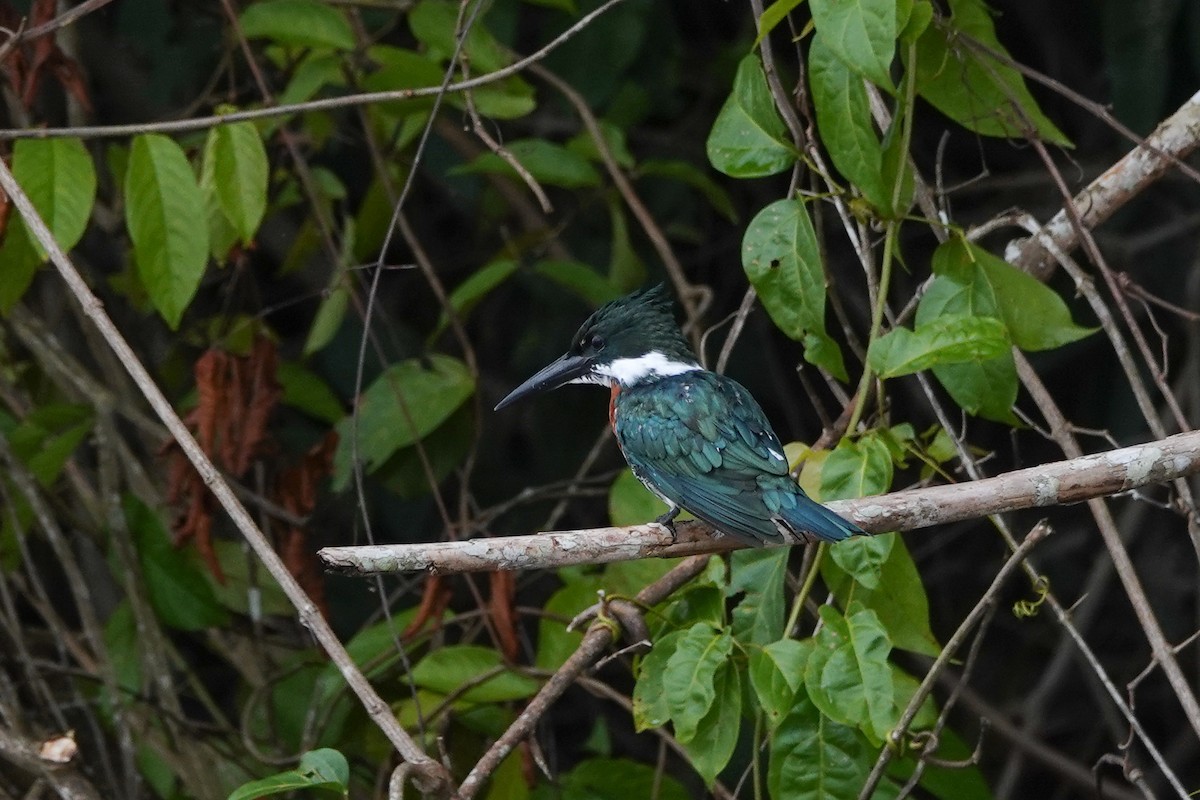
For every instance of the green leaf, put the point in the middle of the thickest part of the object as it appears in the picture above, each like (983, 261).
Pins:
(986, 388)
(329, 316)
(179, 593)
(555, 643)
(688, 679)
(324, 770)
(449, 668)
(848, 675)
(777, 673)
(862, 33)
(584, 144)
(404, 404)
(48, 436)
(625, 268)
(444, 449)
(238, 163)
(545, 161)
(60, 180)
(580, 279)
(899, 601)
(857, 469)
(863, 557)
(844, 120)
(814, 758)
(694, 177)
(748, 138)
(760, 574)
(298, 23)
(783, 261)
(467, 294)
(631, 503)
(947, 339)
(773, 15)
(612, 779)
(651, 709)
(162, 200)
(717, 734)
(304, 390)
(1036, 317)
(975, 90)
(919, 17)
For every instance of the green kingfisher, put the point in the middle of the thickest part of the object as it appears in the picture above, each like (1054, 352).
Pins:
(696, 439)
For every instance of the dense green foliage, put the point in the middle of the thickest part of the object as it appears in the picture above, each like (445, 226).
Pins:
(335, 298)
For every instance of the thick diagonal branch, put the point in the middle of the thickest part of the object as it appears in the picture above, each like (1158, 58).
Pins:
(1058, 483)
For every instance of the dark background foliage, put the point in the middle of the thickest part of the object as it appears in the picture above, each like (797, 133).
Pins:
(658, 73)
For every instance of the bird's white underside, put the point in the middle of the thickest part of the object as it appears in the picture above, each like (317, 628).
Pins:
(629, 371)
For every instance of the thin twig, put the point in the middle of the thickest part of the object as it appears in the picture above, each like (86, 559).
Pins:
(1057, 483)
(433, 776)
(324, 104)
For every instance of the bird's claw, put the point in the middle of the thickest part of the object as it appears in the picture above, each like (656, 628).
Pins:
(667, 520)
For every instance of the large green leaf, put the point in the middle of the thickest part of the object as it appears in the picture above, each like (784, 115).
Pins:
(60, 180)
(547, 162)
(467, 294)
(857, 469)
(862, 33)
(611, 779)
(631, 503)
(748, 138)
(47, 437)
(179, 592)
(975, 90)
(238, 163)
(651, 708)
(899, 601)
(946, 339)
(404, 404)
(693, 176)
(434, 22)
(782, 259)
(325, 771)
(848, 675)
(688, 679)
(760, 575)
(1036, 317)
(815, 758)
(777, 673)
(984, 386)
(162, 202)
(864, 557)
(298, 23)
(844, 119)
(580, 279)
(717, 734)
(450, 668)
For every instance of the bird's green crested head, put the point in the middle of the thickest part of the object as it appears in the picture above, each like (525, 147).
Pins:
(632, 340)
(633, 337)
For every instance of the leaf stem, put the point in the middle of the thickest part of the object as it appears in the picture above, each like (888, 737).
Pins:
(885, 277)
(805, 589)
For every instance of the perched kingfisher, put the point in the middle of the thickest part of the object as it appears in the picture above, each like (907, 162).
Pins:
(696, 439)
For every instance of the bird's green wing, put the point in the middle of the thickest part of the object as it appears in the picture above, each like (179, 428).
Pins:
(702, 441)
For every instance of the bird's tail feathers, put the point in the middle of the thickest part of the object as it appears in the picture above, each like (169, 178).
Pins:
(812, 521)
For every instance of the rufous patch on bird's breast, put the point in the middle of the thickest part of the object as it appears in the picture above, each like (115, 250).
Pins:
(612, 405)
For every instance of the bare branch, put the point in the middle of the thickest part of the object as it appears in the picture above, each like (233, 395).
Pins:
(1052, 484)
(1174, 139)
(433, 775)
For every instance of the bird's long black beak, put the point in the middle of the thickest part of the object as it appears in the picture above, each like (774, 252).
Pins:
(553, 375)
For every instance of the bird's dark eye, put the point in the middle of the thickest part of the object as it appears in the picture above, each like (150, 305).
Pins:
(596, 342)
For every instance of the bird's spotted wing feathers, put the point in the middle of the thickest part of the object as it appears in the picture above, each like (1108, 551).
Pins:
(701, 441)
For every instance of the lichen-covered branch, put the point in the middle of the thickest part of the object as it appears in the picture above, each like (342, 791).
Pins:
(1058, 483)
